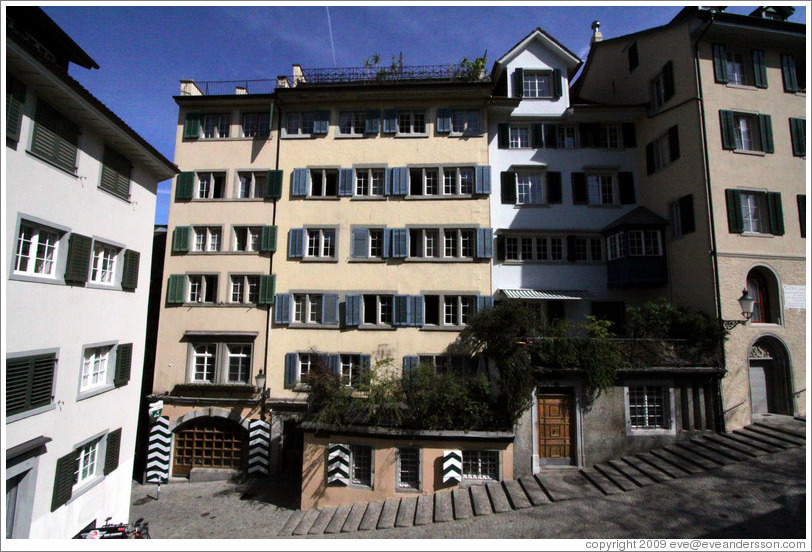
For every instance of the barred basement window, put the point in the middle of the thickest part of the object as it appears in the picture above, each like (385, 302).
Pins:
(480, 464)
(648, 407)
(361, 465)
(408, 468)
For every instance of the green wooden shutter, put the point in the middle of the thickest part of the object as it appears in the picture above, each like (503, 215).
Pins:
(536, 135)
(797, 130)
(650, 168)
(129, 277)
(176, 289)
(55, 138)
(63, 480)
(673, 142)
(551, 135)
(78, 259)
(776, 212)
(625, 181)
(728, 129)
(579, 189)
(686, 214)
(113, 450)
(554, 194)
(788, 73)
(508, 187)
(759, 69)
(735, 221)
(801, 199)
(518, 83)
(29, 382)
(115, 176)
(15, 99)
(557, 87)
(268, 240)
(629, 135)
(124, 360)
(267, 289)
(181, 239)
(273, 190)
(191, 128)
(668, 81)
(503, 136)
(720, 63)
(184, 187)
(766, 126)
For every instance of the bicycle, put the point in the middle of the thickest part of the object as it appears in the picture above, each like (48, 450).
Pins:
(139, 529)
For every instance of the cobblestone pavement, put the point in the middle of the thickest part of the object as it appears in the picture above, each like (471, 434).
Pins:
(749, 483)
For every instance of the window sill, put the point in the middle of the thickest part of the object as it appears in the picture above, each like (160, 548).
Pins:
(297, 136)
(29, 413)
(424, 135)
(319, 260)
(115, 195)
(439, 196)
(206, 252)
(738, 86)
(756, 235)
(79, 491)
(521, 262)
(94, 391)
(533, 205)
(37, 279)
(750, 152)
(54, 165)
(428, 328)
(338, 136)
(376, 260)
(323, 198)
(639, 432)
(440, 259)
(312, 326)
(377, 327)
(368, 198)
(108, 287)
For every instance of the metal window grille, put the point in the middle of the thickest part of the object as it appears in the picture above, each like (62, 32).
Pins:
(480, 464)
(408, 468)
(361, 465)
(647, 408)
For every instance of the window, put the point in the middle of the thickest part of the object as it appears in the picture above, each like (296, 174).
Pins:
(609, 136)
(115, 175)
(662, 87)
(352, 123)
(55, 137)
(306, 361)
(648, 407)
(361, 465)
(369, 182)
(424, 181)
(307, 309)
(423, 242)
(256, 125)
(762, 287)
(246, 238)
(86, 463)
(449, 364)
(682, 216)
(587, 249)
(351, 370)
(644, 243)
(206, 238)
(29, 382)
(448, 310)
(323, 183)
(537, 84)
(754, 208)
(458, 243)
(210, 185)
(530, 188)
(378, 309)
(534, 248)
(465, 121)
(220, 362)
(244, 289)
(633, 57)
(321, 243)
(480, 464)
(754, 212)
(801, 200)
(746, 131)
(567, 136)
(202, 288)
(299, 123)
(600, 189)
(37, 249)
(95, 367)
(216, 125)
(408, 466)
(663, 151)
(738, 70)
(251, 185)
(103, 267)
(519, 136)
(411, 121)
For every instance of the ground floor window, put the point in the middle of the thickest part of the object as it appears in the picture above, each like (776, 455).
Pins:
(408, 469)
(361, 465)
(648, 407)
(480, 464)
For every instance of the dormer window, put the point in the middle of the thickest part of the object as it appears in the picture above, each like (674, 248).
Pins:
(529, 83)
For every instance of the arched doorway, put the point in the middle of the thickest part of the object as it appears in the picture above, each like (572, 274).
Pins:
(209, 442)
(770, 387)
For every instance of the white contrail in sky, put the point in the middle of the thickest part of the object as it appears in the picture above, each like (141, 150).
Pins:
(330, 28)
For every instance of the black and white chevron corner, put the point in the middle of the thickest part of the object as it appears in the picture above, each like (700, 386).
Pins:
(259, 447)
(160, 442)
(452, 466)
(338, 464)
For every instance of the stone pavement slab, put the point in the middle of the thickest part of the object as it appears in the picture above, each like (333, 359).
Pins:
(462, 503)
(688, 456)
(638, 478)
(784, 424)
(307, 522)
(609, 471)
(294, 520)
(443, 509)
(744, 448)
(338, 520)
(705, 444)
(658, 463)
(389, 513)
(354, 518)
(779, 435)
(534, 491)
(652, 473)
(321, 523)
(763, 438)
(499, 499)
(518, 498)
(739, 437)
(406, 511)
(606, 485)
(696, 450)
(371, 516)
(678, 461)
(480, 500)
(424, 513)
(566, 484)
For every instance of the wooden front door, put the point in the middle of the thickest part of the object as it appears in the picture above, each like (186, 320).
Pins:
(556, 416)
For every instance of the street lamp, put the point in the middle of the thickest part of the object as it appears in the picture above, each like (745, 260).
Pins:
(746, 303)
(263, 392)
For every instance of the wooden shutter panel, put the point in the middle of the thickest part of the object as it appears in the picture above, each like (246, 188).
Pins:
(338, 464)
(790, 78)
(390, 121)
(268, 239)
(359, 246)
(626, 185)
(776, 211)
(329, 308)
(400, 242)
(629, 135)
(352, 310)
(115, 176)
(554, 192)
(443, 119)
(184, 186)
(720, 63)
(416, 316)
(291, 365)
(589, 133)
(766, 127)
(267, 289)
(296, 242)
(735, 222)
(728, 129)
(668, 81)
(483, 302)
(484, 243)
(55, 137)
(124, 360)
(345, 182)
(482, 179)
(372, 125)
(536, 135)
(571, 249)
(410, 364)
(113, 451)
(557, 87)
(797, 129)
(518, 83)
(15, 99)
(686, 214)
(63, 480)
(181, 238)
(650, 158)
(273, 189)
(400, 181)
(508, 187)
(129, 276)
(579, 191)
(759, 69)
(191, 128)
(176, 289)
(400, 314)
(334, 364)
(29, 382)
(673, 142)
(503, 136)
(550, 136)
(78, 259)
(801, 199)
(299, 182)
(282, 308)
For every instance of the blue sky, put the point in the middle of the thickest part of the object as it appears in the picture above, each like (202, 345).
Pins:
(144, 51)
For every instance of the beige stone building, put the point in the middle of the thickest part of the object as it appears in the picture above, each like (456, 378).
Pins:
(723, 148)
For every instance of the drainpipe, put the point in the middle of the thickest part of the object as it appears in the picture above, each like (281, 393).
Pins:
(719, 414)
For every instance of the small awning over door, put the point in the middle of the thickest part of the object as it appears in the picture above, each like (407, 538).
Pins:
(545, 294)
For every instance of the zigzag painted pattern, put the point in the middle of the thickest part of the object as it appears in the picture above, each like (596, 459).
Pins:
(160, 443)
(338, 464)
(259, 446)
(452, 466)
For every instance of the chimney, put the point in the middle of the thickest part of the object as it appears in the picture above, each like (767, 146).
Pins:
(596, 35)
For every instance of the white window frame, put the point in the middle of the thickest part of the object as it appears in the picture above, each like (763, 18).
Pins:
(531, 187)
(241, 353)
(755, 213)
(202, 286)
(299, 123)
(215, 357)
(350, 369)
(256, 124)
(645, 243)
(253, 235)
(533, 85)
(567, 136)
(31, 250)
(206, 239)
(747, 132)
(322, 174)
(416, 118)
(668, 406)
(98, 365)
(369, 181)
(518, 136)
(321, 243)
(481, 465)
(251, 184)
(384, 309)
(739, 69)
(414, 481)
(351, 122)
(304, 363)
(89, 463)
(206, 185)
(216, 125)
(540, 246)
(598, 184)
(466, 122)
(307, 308)
(104, 264)
(245, 287)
